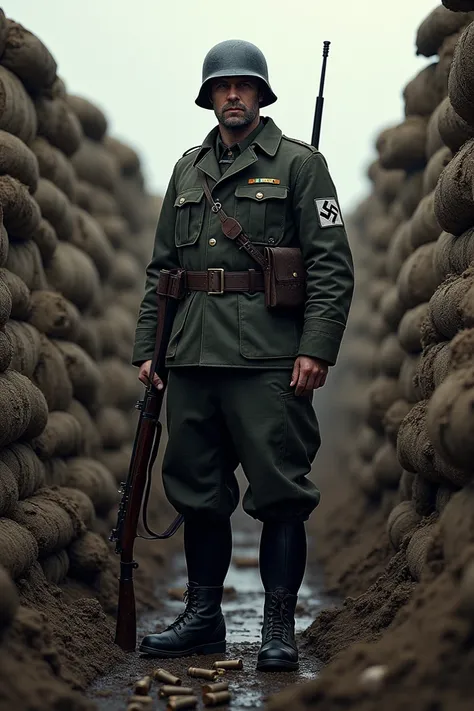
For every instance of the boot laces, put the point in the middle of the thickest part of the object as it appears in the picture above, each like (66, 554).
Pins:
(190, 599)
(279, 624)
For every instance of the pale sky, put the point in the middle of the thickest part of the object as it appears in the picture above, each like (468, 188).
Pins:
(141, 63)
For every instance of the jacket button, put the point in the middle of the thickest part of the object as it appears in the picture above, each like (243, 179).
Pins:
(271, 240)
(181, 200)
(259, 195)
(212, 241)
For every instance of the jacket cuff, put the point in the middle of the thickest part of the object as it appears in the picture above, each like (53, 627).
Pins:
(144, 346)
(321, 339)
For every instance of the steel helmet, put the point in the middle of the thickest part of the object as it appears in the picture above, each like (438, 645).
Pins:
(233, 58)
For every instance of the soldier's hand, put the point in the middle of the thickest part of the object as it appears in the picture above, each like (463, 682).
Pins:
(144, 375)
(308, 375)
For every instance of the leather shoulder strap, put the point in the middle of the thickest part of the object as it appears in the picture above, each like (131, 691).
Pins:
(232, 229)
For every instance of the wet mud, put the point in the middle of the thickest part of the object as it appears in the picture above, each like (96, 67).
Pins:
(243, 610)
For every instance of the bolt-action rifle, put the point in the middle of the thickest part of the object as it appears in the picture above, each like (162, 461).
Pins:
(318, 113)
(136, 489)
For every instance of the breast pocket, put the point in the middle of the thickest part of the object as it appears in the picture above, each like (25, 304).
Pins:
(189, 216)
(261, 212)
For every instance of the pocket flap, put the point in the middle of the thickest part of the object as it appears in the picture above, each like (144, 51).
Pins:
(190, 195)
(287, 264)
(261, 192)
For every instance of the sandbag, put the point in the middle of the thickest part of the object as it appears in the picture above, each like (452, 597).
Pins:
(424, 495)
(90, 337)
(46, 240)
(24, 260)
(114, 371)
(4, 244)
(422, 94)
(453, 255)
(5, 300)
(26, 343)
(62, 437)
(88, 556)
(73, 273)
(17, 112)
(418, 548)
(399, 250)
(391, 308)
(386, 466)
(18, 161)
(417, 454)
(19, 292)
(404, 146)
(450, 306)
(450, 419)
(8, 489)
(379, 232)
(436, 164)
(454, 202)
(461, 77)
(443, 495)
(401, 522)
(51, 376)
(53, 315)
(27, 57)
(49, 518)
(113, 426)
(26, 467)
(21, 214)
(3, 31)
(55, 208)
(461, 350)
(408, 384)
(382, 392)
(95, 480)
(39, 411)
(19, 549)
(58, 124)
(91, 118)
(393, 417)
(116, 229)
(439, 24)
(443, 69)
(15, 406)
(92, 441)
(54, 166)
(457, 524)
(55, 471)
(409, 329)
(434, 142)
(417, 279)
(83, 372)
(368, 441)
(6, 351)
(452, 128)
(96, 201)
(92, 162)
(117, 461)
(424, 225)
(81, 505)
(406, 486)
(126, 157)
(433, 368)
(55, 567)
(410, 194)
(390, 356)
(88, 236)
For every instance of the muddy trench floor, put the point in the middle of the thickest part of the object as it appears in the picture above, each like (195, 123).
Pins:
(243, 610)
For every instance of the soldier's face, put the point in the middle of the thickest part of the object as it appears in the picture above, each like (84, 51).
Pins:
(235, 100)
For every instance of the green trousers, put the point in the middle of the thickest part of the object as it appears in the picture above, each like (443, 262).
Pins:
(220, 418)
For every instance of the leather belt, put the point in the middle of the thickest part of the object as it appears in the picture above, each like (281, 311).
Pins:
(217, 281)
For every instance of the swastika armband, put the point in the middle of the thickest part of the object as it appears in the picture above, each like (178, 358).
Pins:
(329, 212)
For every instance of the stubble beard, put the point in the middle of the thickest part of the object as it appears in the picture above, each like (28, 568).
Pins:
(237, 122)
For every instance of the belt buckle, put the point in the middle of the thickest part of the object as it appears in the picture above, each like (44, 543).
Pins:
(220, 271)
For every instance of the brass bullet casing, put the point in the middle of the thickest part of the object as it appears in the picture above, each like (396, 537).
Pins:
(210, 674)
(168, 690)
(181, 702)
(166, 677)
(219, 697)
(229, 664)
(213, 688)
(144, 701)
(142, 686)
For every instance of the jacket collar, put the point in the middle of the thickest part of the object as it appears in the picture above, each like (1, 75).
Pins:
(268, 140)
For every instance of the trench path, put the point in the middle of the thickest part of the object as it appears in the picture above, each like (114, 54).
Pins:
(243, 612)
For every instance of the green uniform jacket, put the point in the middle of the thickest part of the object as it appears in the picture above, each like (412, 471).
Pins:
(237, 330)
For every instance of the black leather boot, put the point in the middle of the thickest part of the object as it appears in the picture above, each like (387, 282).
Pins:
(278, 651)
(200, 629)
(282, 564)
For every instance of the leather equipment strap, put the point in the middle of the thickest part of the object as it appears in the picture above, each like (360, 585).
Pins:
(231, 228)
(218, 281)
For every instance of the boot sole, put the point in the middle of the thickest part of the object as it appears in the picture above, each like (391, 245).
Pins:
(273, 665)
(212, 648)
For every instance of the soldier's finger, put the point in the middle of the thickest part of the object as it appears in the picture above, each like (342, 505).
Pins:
(301, 385)
(295, 374)
(157, 382)
(311, 382)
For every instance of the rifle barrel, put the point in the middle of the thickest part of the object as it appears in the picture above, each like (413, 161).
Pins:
(318, 113)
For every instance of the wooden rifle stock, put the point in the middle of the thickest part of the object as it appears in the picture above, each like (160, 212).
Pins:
(136, 489)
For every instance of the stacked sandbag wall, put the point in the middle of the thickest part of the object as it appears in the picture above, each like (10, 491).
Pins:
(76, 232)
(407, 387)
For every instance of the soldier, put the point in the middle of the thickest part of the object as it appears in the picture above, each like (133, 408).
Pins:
(242, 376)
